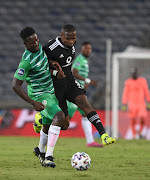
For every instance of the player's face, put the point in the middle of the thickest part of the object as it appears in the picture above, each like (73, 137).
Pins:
(32, 43)
(68, 38)
(86, 50)
(134, 73)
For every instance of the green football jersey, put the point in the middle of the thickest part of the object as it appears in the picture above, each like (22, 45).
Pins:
(34, 69)
(81, 64)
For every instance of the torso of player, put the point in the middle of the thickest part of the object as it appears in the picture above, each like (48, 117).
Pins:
(81, 64)
(34, 69)
(136, 90)
(56, 51)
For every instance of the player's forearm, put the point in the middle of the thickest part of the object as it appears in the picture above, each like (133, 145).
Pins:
(87, 80)
(20, 92)
(77, 76)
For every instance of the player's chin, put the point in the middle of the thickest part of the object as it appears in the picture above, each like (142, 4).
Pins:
(36, 49)
(70, 45)
(87, 55)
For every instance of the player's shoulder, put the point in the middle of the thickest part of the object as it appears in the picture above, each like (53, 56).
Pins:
(56, 45)
(53, 44)
(142, 79)
(49, 44)
(26, 56)
(128, 81)
(80, 58)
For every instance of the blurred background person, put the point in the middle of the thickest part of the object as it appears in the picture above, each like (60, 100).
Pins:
(80, 70)
(134, 94)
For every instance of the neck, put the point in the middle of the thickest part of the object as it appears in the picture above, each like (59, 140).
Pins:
(134, 78)
(85, 55)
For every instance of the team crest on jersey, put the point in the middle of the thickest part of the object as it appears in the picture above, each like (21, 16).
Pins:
(73, 50)
(21, 72)
(44, 102)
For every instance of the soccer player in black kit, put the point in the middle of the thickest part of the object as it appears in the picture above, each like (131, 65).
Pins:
(62, 50)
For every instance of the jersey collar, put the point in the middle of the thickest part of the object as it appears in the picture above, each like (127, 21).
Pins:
(60, 44)
(84, 57)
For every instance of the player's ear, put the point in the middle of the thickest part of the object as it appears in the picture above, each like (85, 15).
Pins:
(24, 42)
(61, 34)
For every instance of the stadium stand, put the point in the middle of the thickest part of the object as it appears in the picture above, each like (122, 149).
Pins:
(125, 22)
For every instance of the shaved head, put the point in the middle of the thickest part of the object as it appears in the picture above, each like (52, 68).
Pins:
(68, 35)
(68, 28)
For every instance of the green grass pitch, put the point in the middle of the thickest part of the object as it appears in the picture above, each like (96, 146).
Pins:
(124, 160)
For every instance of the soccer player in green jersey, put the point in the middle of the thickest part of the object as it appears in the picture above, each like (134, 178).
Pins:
(80, 66)
(80, 70)
(34, 68)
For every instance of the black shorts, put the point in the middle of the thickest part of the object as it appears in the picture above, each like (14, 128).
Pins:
(69, 91)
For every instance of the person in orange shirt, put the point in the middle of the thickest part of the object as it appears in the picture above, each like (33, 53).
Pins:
(134, 94)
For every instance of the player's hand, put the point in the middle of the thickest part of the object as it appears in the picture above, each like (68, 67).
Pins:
(93, 83)
(55, 65)
(58, 68)
(60, 74)
(148, 106)
(124, 107)
(38, 106)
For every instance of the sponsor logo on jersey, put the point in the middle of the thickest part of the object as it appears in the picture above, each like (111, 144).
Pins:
(61, 56)
(21, 72)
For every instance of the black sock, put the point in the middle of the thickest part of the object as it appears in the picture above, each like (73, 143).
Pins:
(94, 118)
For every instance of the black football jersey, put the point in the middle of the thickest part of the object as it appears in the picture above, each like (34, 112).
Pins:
(56, 51)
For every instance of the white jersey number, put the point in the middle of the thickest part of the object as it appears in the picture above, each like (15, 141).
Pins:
(68, 59)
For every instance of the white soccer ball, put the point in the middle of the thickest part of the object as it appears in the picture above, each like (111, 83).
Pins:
(81, 161)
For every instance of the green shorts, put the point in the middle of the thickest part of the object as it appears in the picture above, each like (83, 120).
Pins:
(72, 109)
(51, 107)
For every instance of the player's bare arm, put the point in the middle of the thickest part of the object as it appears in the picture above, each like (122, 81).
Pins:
(75, 73)
(88, 81)
(55, 65)
(58, 72)
(17, 87)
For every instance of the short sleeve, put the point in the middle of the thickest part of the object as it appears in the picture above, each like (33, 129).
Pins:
(77, 64)
(22, 70)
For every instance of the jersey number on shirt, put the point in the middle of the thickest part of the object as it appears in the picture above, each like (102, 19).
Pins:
(68, 59)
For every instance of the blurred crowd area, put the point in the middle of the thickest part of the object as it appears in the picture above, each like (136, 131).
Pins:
(125, 22)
